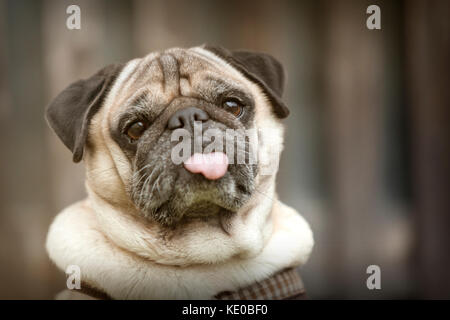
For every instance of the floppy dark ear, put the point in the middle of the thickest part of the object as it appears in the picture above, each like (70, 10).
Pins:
(260, 68)
(70, 112)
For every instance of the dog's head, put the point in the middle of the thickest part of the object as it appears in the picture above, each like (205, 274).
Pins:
(137, 126)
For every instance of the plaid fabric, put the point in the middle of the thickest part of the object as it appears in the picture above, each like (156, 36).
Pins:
(286, 284)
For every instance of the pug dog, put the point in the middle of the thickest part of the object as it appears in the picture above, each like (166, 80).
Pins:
(157, 226)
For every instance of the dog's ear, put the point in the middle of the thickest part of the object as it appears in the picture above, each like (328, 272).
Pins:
(260, 68)
(69, 114)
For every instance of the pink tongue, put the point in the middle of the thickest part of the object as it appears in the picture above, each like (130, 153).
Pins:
(212, 165)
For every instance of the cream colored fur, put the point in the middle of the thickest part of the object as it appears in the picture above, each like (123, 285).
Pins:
(74, 239)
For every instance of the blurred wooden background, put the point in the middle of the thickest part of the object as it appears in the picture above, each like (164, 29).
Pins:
(366, 159)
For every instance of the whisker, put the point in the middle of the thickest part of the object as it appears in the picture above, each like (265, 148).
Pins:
(145, 184)
(137, 183)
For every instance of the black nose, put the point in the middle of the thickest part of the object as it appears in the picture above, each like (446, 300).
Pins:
(185, 118)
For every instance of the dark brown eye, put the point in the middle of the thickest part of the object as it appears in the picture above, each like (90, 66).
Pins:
(234, 106)
(136, 130)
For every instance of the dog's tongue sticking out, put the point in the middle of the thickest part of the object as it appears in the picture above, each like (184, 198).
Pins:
(212, 165)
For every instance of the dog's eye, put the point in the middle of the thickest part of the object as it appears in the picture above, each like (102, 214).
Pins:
(136, 130)
(234, 106)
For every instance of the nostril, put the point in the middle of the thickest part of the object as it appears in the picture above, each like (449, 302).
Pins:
(184, 118)
(201, 116)
(174, 123)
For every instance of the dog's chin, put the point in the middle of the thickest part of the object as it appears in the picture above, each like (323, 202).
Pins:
(198, 199)
(202, 211)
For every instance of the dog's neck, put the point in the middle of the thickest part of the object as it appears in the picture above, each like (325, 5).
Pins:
(198, 242)
(126, 258)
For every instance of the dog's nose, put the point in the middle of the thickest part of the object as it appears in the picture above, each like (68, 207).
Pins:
(185, 118)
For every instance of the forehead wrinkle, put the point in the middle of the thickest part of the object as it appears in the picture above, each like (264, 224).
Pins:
(147, 63)
(222, 66)
(187, 59)
(123, 102)
(219, 83)
(213, 87)
(131, 100)
(211, 59)
(141, 101)
(137, 80)
(123, 77)
(171, 73)
(133, 78)
(126, 82)
(195, 64)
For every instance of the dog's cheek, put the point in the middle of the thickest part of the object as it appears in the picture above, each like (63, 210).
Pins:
(154, 175)
(103, 178)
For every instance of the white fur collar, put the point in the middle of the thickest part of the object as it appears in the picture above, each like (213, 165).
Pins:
(75, 238)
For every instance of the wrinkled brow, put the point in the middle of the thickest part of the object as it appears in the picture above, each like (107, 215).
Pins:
(220, 84)
(140, 101)
(218, 88)
(135, 107)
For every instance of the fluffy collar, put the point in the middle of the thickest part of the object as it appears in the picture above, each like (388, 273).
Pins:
(75, 238)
